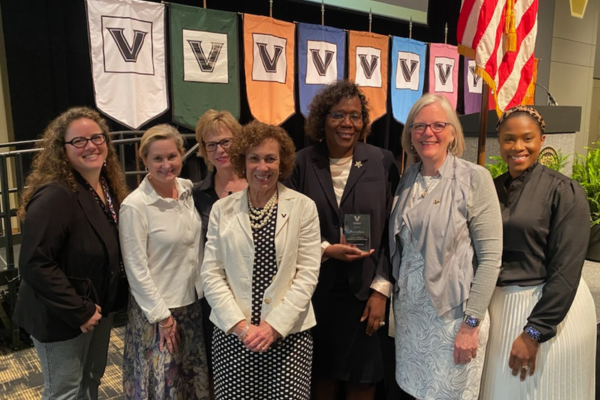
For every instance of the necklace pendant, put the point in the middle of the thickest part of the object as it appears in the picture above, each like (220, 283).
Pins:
(423, 195)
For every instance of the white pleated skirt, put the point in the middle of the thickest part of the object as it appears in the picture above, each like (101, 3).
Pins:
(565, 364)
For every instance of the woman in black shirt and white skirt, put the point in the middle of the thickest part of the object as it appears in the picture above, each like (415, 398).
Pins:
(543, 324)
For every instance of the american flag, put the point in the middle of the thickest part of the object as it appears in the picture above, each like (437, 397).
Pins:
(500, 36)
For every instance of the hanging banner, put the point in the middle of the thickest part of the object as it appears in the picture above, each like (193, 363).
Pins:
(367, 65)
(321, 54)
(443, 71)
(473, 87)
(408, 75)
(204, 63)
(127, 51)
(269, 65)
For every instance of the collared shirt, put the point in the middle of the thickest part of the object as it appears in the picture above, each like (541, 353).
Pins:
(161, 241)
(546, 230)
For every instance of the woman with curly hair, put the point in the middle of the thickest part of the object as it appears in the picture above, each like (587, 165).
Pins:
(261, 263)
(70, 259)
(346, 177)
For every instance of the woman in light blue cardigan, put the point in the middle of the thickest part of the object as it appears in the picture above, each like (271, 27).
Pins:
(445, 244)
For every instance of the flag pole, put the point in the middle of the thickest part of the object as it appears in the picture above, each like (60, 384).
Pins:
(322, 12)
(370, 19)
(446, 34)
(270, 8)
(483, 118)
(204, 3)
(410, 28)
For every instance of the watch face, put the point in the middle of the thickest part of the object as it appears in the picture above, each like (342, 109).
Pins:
(471, 321)
(533, 333)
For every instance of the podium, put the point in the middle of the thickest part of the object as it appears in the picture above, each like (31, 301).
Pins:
(559, 119)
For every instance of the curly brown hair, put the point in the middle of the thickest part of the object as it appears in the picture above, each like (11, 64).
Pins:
(51, 163)
(253, 134)
(328, 97)
(211, 122)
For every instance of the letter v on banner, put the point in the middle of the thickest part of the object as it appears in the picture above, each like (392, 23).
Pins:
(321, 55)
(408, 73)
(204, 62)
(269, 67)
(127, 50)
(368, 66)
(443, 71)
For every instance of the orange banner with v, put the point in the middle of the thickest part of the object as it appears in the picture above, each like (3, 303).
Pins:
(368, 67)
(269, 64)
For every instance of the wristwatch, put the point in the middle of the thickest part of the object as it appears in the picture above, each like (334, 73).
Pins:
(471, 321)
(533, 333)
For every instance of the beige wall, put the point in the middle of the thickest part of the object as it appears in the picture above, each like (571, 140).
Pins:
(572, 63)
(595, 113)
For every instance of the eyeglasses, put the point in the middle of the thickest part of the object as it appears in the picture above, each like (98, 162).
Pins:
(212, 146)
(340, 115)
(80, 142)
(436, 127)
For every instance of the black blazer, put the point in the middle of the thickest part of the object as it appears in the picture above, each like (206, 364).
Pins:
(369, 190)
(69, 261)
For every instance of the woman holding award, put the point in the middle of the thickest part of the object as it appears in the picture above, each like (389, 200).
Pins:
(347, 179)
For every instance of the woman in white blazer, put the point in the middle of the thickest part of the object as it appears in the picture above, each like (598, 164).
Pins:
(260, 269)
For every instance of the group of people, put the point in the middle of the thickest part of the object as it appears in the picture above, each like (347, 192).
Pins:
(247, 286)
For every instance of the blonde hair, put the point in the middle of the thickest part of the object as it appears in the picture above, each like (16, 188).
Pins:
(211, 122)
(457, 148)
(160, 132)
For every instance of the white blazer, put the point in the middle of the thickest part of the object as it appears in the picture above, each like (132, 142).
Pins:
(226, 274)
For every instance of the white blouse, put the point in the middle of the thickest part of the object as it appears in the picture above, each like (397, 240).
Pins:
(161, 242)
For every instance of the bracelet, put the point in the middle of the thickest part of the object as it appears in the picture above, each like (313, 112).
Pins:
(167, 326)
(242, 335)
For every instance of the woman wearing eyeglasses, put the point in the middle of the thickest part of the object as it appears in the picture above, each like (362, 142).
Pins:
(346, 177)
(215, 134)
(70, 260)
(445, 246)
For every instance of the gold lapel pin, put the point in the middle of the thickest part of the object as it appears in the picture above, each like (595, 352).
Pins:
(358, 164)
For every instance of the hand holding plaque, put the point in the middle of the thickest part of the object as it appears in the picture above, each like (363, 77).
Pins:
(357, 231)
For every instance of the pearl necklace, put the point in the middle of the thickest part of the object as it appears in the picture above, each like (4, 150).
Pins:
(259, 217)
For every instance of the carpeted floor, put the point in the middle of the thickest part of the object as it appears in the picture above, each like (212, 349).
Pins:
(21, 377)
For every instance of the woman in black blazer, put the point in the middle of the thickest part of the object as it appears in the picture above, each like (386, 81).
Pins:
(70, 259)
(343, 175)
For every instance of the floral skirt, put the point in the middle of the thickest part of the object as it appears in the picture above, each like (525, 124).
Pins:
(149, 373)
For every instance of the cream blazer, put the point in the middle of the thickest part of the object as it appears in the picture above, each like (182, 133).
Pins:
(226, 273)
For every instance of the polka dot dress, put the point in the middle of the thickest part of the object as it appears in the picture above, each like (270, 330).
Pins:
(283, 371)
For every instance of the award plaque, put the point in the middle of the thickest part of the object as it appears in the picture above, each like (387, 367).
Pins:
(357, 230)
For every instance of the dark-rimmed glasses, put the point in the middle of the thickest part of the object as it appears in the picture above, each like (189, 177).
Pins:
(436, 127)
(212, 146)
(340, 115)
(80, 142)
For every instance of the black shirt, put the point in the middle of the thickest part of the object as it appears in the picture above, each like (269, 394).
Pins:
(204, 197)
(546, 222)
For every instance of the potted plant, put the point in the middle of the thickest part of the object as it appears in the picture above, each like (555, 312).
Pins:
(586, 171)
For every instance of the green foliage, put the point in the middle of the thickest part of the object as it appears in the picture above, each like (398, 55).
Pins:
(586, 171)
(498, 168)
(556, 163)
